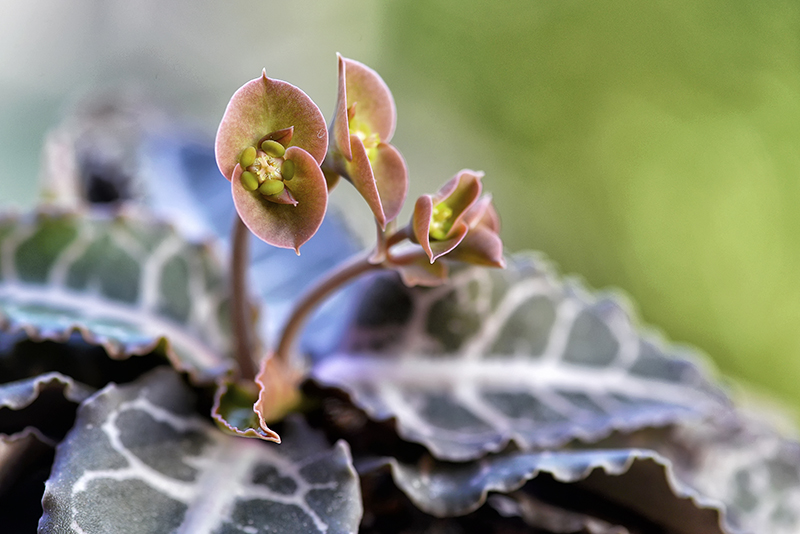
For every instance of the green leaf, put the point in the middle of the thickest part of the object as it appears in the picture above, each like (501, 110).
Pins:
(515, 355)
(126, 284)
(139, 460)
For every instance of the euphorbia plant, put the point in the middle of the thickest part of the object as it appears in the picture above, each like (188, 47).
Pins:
(280, 194)
(458, 396)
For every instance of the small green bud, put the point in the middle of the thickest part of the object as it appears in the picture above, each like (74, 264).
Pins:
(249, 181)
(271, 187)
(248, 157)
(273, 148)
(287, 169)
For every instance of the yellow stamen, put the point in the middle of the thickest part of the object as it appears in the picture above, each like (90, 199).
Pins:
(287, 170)
(248, 157)
(271, 187)
(273, 148)
(249, 181)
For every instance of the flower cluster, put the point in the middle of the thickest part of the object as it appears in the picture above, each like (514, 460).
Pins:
(281, 160)
(270, 144)
(458, 222)
(274, 148)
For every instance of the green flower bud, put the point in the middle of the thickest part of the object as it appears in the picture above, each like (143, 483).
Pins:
(248, 157)
(273, 148)
(271, 187)
(287, 170)
(249, 180)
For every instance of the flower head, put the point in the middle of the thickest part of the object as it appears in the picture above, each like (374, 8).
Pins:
(270, 143)
(437, 221)
(359, 142)
(457, 222)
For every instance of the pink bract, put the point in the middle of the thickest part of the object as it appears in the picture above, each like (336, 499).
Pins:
(263, 106)
(289, 213)
(458, 195)
(482, 244)
(363, 125)
(285, 225)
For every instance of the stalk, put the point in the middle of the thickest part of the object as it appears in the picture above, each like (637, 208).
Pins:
(336, 278)
(241, 314)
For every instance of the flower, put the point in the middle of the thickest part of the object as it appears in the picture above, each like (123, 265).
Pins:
(437, 219)
(482, 244)
(359, 149)
(270, 144)
(457, 222)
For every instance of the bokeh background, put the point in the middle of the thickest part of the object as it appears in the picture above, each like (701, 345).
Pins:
(648, 146)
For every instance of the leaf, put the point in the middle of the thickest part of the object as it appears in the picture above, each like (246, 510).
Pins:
(515, 355)
(639, 481)
(745, 464)
(20, 394)
(537, 513)
(196, 199)
(233, 411)
(139, 460)
(128, 285)
(25, 460)
(22, 358)
(46, 402)
(16, 451)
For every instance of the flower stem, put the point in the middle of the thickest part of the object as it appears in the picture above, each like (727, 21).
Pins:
(346, 272)
(241, 315)
(400, 235)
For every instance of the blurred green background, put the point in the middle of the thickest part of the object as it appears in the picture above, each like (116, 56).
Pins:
(650, 146)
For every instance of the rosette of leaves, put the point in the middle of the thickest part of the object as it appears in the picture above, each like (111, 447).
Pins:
(499, 401)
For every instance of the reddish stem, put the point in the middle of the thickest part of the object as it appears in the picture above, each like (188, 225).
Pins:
(346, 272)
(241, 314)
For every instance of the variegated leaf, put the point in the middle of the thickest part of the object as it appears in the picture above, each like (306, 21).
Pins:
(22, 358)
(126, 284)
(139, 460)
(551, 518)
(115, 150)
(46, 403)
(639, 481)
(21, 393)
(515, 355)
(744, 464)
